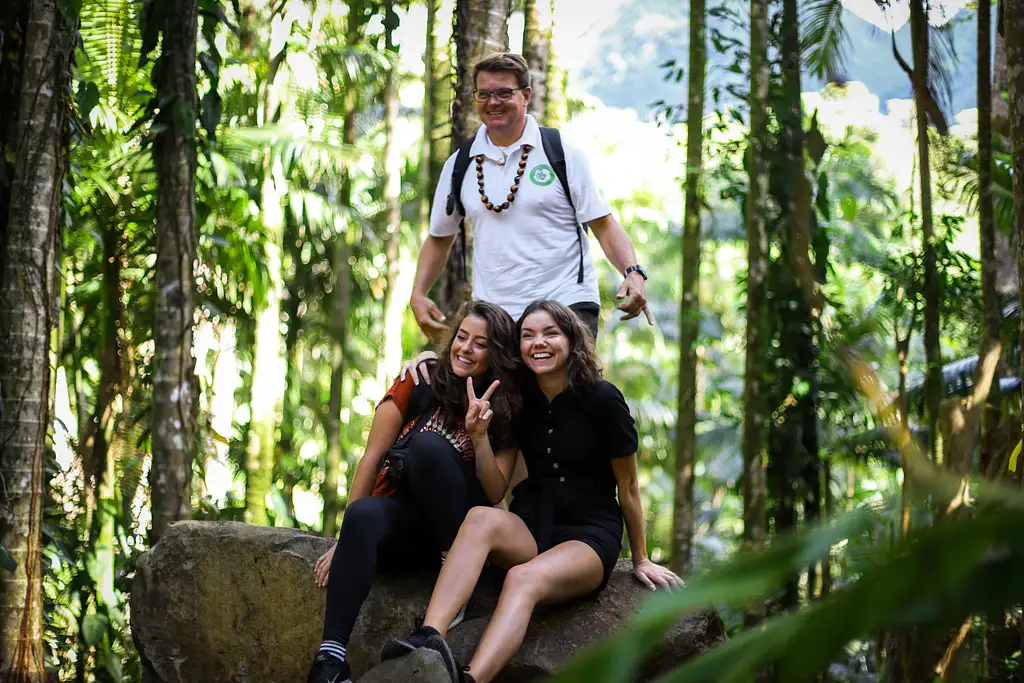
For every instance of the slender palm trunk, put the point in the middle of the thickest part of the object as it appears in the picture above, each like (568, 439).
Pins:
(689, 307)
(340, 301)
(1013, 15)
(30, 237)
(986, 219)
(538, 16)
(803, 460)
(754, 531)
(391, 179)
(175, 388)
(1000, 107)
(933, 377)
(268, 373)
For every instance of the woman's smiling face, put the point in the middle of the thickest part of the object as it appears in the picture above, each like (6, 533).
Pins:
(543, 344)
(470, 353)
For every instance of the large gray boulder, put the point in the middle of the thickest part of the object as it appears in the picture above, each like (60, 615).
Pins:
(224, 602)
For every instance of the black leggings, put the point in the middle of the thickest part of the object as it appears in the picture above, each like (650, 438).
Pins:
(406, 532)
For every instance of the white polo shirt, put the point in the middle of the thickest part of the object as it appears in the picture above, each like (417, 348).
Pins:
(530, 250)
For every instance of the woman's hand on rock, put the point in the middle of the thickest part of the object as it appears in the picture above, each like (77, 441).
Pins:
(323, 567)
(654, 576)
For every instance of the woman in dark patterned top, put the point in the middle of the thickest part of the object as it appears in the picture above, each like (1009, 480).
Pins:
(563, 533)
(460, 450)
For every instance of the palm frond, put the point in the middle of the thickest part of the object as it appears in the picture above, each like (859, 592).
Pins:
(111, 44)
(825, 38)
(942, 63)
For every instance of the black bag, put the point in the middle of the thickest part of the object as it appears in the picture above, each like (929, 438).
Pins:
(551, 141)
(393, 462)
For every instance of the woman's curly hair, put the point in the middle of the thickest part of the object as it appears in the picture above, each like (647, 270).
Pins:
(582, 367)
(502, 364)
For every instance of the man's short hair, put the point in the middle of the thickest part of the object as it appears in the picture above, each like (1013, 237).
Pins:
(505, 62)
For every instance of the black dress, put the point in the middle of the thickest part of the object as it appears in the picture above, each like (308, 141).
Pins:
(568, 445)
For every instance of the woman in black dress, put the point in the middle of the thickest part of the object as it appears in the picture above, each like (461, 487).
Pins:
(562, 535)
(459, 452)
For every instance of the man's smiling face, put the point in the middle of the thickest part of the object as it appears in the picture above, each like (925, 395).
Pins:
(502, 117)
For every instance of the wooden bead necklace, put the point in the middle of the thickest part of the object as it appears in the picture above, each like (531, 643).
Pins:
(515, 186)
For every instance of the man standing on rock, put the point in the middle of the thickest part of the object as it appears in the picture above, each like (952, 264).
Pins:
(526, 197)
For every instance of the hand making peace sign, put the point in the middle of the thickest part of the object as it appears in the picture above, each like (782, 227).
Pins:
(479, 414)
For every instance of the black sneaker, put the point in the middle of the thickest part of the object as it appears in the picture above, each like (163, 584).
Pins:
(466, 677)
(438, 644)
(400, 647)
(329, 669)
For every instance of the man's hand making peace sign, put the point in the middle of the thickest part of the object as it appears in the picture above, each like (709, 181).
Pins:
(479, 413)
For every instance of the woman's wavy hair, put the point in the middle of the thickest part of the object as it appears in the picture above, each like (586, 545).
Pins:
(503, 364)
(582, 367)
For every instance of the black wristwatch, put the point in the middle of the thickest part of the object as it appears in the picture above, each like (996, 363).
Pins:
(635, 269)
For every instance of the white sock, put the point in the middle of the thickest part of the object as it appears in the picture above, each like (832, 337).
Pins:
(458, 618)
(335, 650)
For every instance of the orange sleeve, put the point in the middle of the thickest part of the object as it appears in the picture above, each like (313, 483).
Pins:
(400, 392)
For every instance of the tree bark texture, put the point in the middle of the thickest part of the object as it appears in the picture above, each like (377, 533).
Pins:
(481, 29)
(689, 307)
(933, 377)
(1014, 31)
(754, 531)
(538, 18)
(795, 463)
(175, 387)
(30, 233)
(986, 219)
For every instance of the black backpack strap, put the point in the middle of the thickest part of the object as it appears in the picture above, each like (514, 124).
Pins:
(422, 404)
(454, 204)
(551, 141)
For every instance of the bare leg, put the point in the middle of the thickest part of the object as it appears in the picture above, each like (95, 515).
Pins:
(568, 570)
(486, 533)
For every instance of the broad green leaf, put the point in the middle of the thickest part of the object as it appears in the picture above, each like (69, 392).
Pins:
(94, 626)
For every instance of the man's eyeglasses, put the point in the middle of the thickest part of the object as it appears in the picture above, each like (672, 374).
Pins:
(503, 94)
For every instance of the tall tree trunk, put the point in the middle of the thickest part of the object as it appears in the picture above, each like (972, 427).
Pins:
(933, 376)
(391, 179)
(986, 220)
(803, 462)
(556, 105)
(426, 186)
(175, 388)
(1013, 16)
(293, 379)
(339, 331)
(437, 122)
(112, 439)
(754, 531)
(689, 307)
(538, 18)
(340, 297)
(268, 373)
(1000, 107)
(30, 232)
(481, 28)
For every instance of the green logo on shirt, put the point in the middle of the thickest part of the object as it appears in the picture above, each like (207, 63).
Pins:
(542, 175)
